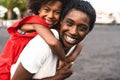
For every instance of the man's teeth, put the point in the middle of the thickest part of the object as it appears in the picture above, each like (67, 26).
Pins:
(69, 39)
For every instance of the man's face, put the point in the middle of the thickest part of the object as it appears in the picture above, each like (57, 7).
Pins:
(74, 28)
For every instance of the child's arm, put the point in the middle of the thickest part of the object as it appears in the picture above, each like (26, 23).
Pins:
(47, 35)
(27, 27)
(54, 44)
(75, 53)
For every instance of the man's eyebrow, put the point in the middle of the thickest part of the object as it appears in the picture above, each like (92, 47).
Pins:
(69, 19)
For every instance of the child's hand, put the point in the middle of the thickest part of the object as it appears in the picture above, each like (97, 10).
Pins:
(63, 63)
(64, 72)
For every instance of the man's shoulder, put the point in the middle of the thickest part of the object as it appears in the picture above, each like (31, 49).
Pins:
(39, 41)
(55, 33)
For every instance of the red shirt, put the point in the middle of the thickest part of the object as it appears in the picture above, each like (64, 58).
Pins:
(15, 45)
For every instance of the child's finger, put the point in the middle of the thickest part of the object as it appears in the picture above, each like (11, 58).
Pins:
(67, 66)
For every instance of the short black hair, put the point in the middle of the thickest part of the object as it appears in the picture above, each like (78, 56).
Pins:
(83, 6)
(34, 5)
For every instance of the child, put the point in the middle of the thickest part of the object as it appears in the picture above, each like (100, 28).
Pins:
(77, 20)
(47, 13)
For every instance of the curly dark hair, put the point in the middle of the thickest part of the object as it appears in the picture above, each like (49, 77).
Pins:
(83, 6)
(35, 5)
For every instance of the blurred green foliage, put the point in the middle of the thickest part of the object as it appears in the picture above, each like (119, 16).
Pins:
(11, 4)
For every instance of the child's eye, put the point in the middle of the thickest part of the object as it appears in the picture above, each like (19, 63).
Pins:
(57, 12)
(46, 9)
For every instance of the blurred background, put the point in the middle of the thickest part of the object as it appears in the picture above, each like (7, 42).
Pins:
(100, 56)
(12, 10)
(108, 12)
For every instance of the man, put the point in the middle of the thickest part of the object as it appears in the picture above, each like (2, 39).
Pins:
(37, 61)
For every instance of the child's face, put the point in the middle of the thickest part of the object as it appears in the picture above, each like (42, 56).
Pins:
(50, 12)
(74, 27)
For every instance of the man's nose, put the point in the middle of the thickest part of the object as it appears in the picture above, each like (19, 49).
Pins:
(74, 30)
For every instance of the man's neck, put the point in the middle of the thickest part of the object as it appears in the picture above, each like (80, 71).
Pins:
(66, 50)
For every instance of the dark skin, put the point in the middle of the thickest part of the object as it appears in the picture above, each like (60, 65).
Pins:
(74, 28)
(71, 58)
(50, 12)
(61, 74)
(53, 42)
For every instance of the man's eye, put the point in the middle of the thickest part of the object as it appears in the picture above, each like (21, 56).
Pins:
(83, 28)
(69, 23)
